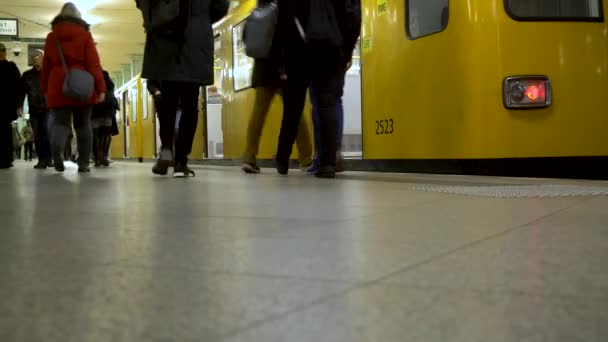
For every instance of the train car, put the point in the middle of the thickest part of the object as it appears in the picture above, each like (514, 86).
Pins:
(491, 87)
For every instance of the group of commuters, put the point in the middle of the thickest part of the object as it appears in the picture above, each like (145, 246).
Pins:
(311, 50)
(54, 115)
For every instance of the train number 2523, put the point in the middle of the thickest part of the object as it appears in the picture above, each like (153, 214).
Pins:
(386, 126)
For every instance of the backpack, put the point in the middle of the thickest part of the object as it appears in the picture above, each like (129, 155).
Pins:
(337, 22)
(169, 17)
(259, 30)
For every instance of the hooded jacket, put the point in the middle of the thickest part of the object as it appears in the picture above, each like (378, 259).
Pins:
(80, 52)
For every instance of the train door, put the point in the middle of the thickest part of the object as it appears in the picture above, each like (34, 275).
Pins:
(213, 101)
(125, 109)
(352, 141)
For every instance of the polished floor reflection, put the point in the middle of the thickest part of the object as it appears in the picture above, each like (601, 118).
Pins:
(121, 255)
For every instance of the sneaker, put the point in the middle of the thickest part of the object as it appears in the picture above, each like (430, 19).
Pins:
(250, 168)
(183, 171)
(314, 168)
(164, 161)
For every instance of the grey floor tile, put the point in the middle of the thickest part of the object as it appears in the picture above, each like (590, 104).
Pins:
(134, 304)
(395, 314)
(563, 254)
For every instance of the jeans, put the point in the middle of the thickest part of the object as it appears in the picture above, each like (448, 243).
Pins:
(321, 67)
(316, 119)
(61, 128)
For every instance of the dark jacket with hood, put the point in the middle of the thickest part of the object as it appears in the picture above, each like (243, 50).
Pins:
(9, 91)
(186, 56)
(32, 89)
(79, 51)
(109, 106)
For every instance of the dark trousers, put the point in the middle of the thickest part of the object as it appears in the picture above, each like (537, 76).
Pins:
(29, 150)
(316, 118)
(7, 151)
(40, 125)
(61, 128)
(321, 67)
(101, 143)
(184, 95)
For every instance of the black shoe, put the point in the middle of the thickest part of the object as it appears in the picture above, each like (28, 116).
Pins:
(105, 163)
(84, 169)
(326, 172)
(250, 168)
(58, 164)
(163, 163)
(183, 171)
(41, 165)
(282, 169)
(97, 163)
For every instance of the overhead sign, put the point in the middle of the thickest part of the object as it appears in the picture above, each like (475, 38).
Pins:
(9, 28)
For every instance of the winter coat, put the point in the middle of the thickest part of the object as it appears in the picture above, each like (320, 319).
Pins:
(187, 56)
(32, 89)
(107, 108)
(9, 91)
(79, 51)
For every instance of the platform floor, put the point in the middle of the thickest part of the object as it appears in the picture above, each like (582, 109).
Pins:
(122, 255)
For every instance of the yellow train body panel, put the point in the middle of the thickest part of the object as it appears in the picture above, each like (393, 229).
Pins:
(444, 92)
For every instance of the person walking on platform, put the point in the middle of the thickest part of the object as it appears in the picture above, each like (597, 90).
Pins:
(101, 120)
(39, 113)
(180, 55)
(9, 103)
(318, 38)
(28, 141)
(266, 80)
(71, 41)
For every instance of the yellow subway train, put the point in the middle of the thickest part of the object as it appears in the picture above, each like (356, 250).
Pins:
(491, 87)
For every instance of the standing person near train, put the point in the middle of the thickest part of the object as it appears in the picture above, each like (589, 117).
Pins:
(70, 42)
(179, 54)
(318, 38)
(267, 82)
(103, 112)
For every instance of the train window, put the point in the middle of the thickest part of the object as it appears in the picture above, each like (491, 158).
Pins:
(426, 17)
(555, 10)
(242, 65)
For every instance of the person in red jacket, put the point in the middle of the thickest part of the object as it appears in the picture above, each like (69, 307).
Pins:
(76, 41)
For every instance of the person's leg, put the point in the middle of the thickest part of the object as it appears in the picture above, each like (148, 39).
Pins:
(41, 138)
(96, 144)
(294, 96)
(60, 129)
(189, 93)
(315, 119)
(327, 81)
(340, 127)
(29, 150)
(82, 126)
(7, 151)
(263, 100)
(166, 118)
(305, 151)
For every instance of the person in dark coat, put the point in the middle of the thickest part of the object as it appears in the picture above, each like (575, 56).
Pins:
(9, 103)
(101, 120)
(266, 79)
(39, 113)
(183, 62)
(80, 52)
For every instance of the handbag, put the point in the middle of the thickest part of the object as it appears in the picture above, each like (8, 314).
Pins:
(78, 84)
(259, 31)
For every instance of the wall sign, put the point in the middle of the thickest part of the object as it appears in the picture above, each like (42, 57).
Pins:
(9, 28)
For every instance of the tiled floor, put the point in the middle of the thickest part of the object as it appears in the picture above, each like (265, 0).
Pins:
(121, 255)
